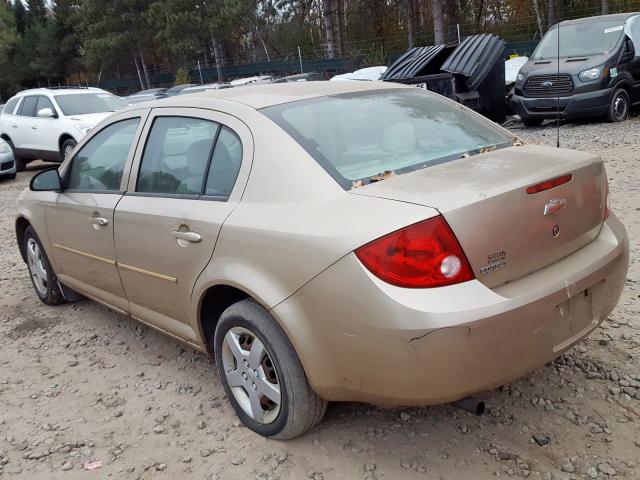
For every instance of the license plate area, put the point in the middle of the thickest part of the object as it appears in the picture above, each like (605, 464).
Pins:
(573, 318)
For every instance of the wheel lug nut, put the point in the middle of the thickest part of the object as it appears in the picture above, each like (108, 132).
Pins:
(253, 385)
(244, 376)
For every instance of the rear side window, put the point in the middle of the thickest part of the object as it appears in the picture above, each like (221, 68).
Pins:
(356, 137)
(28, 107)
(99, 165)
(189, 157)
(11, 105)
(225, 164)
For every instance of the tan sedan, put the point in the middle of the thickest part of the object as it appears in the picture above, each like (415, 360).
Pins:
(331, 241)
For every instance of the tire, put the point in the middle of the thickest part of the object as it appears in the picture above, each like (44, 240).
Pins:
(43, 279)
(21, 165)
(532, 122)
(619, 106)
(300, 408)
(67, 146)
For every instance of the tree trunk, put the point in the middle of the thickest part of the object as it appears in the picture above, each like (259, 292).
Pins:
(338, 27)
(605, 7)
(536, 9)
(439, 24)
(327, 16)
(451, 19)
(410, 13)
(217, 54)
(145, 70)
(552, 13)
(135, 59)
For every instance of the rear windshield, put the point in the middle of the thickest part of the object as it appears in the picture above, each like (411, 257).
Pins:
(359, 137)
(581, 39)
(85, 103)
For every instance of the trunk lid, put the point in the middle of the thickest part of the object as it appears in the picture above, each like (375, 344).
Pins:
(503, 229)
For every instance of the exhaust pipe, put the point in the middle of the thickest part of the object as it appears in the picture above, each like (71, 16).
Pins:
(471, 405)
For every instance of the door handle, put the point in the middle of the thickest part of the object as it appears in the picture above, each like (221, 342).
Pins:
(99, 221)
(14, 125)
(34, 127)
(192, 237)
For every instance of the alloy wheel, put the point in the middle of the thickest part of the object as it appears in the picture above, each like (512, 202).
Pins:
(37, 267)
(251, 375)
(67, 150)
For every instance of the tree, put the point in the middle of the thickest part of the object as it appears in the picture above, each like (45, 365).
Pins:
(552, 13)
(439, 23)
(20, 14)
(36, 11)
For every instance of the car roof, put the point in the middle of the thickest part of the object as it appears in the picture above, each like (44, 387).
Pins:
(60, 91)
(267, 95)
(621, 17)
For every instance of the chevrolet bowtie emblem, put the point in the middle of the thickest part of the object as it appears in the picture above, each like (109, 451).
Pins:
(555, 206)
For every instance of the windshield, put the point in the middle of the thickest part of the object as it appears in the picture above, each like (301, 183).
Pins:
(362, 137)
(84, 103)
(581, 39)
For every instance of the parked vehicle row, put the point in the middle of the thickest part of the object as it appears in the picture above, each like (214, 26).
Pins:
(331, 241)
(7, 161)
(47, 123)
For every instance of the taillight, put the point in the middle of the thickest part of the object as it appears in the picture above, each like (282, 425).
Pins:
(423, 255)
(607, 201)
(549, 184)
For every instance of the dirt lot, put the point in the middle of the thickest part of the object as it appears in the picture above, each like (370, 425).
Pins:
(80, 384)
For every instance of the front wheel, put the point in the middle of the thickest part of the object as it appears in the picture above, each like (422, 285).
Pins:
(67, 147)
(262, 375)
(43, 278)
(619, 106)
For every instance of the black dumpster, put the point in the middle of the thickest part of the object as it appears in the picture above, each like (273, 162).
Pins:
(477, 66)
(471, 73)
(421, 66)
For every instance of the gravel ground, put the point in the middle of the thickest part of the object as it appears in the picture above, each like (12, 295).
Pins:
(83, 387)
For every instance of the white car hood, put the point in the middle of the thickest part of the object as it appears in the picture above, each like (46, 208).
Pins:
(90, 118)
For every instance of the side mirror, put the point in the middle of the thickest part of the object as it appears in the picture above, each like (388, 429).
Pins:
(46, 181)
(629, 52)
(46, 113)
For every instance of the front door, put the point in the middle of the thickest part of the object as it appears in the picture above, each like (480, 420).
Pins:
(80, 225)
(184, 184)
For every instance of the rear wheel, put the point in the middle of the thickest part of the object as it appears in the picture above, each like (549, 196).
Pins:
(21, 165)
(531, 122)
(262, 375)
(619, 106)
(43, 278)
(67, 147)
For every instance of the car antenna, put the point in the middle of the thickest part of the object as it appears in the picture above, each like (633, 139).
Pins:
(558, 89)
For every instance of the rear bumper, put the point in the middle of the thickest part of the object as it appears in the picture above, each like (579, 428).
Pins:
(360, 339)
(590, 104)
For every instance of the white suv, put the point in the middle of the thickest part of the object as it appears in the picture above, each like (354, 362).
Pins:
(47, 123)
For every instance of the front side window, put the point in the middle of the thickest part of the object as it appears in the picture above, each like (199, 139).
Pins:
(358, 136)
(44, 102)
(85, 103)
(176, 156)
(11, 105)
(28, 107)
(98, 166)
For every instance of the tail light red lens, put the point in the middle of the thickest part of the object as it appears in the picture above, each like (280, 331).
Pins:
(549, 184)
(423, 255)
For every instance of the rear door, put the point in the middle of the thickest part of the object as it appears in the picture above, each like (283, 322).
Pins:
(80, 224)
(22, 133)
(185, 182)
